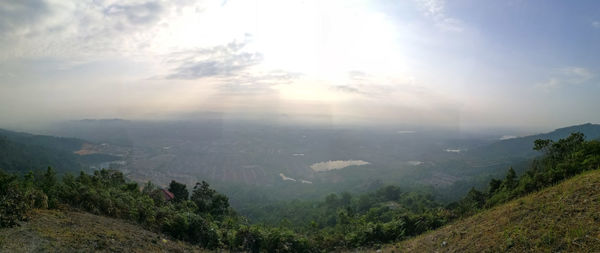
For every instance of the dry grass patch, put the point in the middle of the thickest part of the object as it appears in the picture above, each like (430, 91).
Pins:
(67, 231)
(564, 218)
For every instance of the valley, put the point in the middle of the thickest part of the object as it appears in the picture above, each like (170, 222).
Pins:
(242, 156)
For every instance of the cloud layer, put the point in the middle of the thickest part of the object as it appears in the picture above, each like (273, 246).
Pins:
(435, 61)
(567, 76)
(220, 61)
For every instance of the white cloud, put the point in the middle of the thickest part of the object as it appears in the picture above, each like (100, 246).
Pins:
(80, 30)
(567, 76)
(550, 84)
(596, 24)
(436, 10)
(432, 8)
(576, 75)
(223, 60)
(507, 137)
(451, 24)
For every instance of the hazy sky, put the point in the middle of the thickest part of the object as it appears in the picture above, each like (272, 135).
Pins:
(465, 63)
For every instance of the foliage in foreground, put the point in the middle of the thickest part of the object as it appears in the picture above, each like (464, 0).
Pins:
(562, 159)
(205, 219)
(560, 218)
(343, 221)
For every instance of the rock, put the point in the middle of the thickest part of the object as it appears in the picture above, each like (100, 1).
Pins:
(444, 243)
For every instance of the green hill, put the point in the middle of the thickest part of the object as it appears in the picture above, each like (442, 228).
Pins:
(68, 231)
(22, 152)
(523, 146)
(562, 218)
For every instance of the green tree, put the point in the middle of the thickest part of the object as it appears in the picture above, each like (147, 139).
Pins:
(332, 201)
(149, 188)
(390, 193)
(209, 201)
(510, 181)
(494, 186)
(474, 199)
(219, 205)
(202, 196)
(179, 190)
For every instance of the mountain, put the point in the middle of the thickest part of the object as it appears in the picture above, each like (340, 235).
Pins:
(523, 146)
(21, 152)
(69, 231)
(477, 165)
(560, 218)
(57, 143)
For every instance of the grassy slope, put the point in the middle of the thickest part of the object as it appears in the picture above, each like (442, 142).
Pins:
(66, 231)
(565, 217)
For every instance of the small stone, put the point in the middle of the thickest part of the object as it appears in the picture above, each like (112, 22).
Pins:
(444, 243)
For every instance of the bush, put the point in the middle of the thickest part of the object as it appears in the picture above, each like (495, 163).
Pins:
(12, 207)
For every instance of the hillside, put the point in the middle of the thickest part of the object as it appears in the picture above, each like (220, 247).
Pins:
(522, 146)
(560, 218)
(557, 218)
(22, 152)
(67, 231)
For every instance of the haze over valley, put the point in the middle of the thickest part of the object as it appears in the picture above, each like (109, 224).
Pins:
(275, 162)
(299, 125)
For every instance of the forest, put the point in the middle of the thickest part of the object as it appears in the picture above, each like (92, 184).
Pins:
(203, 216)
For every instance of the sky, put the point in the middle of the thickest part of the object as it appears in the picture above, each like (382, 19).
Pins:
(462, 63)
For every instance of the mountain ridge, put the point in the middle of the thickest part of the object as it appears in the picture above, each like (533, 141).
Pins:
(523, 146)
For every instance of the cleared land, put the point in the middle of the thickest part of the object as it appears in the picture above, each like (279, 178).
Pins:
(67, 231)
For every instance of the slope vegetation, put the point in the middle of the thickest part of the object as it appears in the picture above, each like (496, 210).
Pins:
(522, 146)
(562, 218)
(22, 152)
(67, 231)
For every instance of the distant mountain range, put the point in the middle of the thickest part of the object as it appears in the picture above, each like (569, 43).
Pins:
(523, 146)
